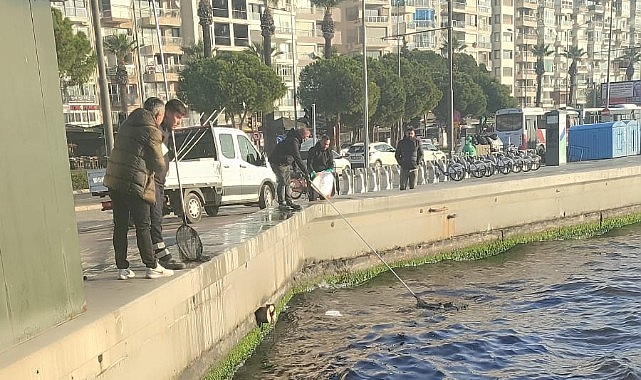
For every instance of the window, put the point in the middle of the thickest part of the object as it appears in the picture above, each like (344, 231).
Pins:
(220, 8)
(221, 34)
(507, 54)
(195, 143)
(247, 151)
(227, 146)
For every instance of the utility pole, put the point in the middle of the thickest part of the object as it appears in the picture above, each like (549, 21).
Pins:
(450, 62)
(607, 90)
(105, 104)
(365, 95)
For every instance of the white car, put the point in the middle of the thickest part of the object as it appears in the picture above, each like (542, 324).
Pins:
(340, 163)
(380, 153)
(431, 152)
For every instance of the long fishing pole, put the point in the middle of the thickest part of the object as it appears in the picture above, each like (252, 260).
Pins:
(419, 302)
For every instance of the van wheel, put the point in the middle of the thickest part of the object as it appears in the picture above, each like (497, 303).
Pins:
(266, 197)
(193, 208)
(212, 210)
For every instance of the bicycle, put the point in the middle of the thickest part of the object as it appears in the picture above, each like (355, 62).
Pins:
(298, 185)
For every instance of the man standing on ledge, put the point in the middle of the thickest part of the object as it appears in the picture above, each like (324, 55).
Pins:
(408, 155)
(175, 110)
(135, 157)
(286, 153)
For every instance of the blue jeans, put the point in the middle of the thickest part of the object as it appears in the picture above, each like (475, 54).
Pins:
(126, 205)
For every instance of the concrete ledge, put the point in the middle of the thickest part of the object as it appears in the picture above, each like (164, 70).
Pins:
(155, 329)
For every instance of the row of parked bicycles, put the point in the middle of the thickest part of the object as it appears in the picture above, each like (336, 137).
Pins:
(512, 160)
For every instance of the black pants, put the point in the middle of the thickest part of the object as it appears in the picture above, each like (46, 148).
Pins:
(283, 178)
(125, 205)
(408, 175)
(156, 219)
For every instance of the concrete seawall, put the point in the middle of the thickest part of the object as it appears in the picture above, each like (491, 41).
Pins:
(158, 329)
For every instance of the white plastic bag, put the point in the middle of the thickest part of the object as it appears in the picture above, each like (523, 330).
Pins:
(324, 183)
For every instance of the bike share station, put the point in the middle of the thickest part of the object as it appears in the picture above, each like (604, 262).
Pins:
(556, 137)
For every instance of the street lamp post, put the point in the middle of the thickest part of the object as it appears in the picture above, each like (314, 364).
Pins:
(105, 104)
(365, 95)
(607, 75)
(450, 63)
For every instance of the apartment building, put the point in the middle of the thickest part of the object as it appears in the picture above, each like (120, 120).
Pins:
(80, 103)
(498, 33)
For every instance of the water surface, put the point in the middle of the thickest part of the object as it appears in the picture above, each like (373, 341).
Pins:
(552, 310)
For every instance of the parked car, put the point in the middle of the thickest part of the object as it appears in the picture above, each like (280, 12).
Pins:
(380, 153)
(431, 152)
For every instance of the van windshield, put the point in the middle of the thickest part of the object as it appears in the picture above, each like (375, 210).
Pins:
(195, 143)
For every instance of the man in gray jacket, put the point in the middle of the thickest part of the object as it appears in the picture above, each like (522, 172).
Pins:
(135, 157)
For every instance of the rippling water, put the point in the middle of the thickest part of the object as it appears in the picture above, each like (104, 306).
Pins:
(553, 310)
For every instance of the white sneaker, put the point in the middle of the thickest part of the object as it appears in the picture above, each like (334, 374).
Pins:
(125, 274)
(158, 272)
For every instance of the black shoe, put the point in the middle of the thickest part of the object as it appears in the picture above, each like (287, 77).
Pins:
(294, 206)
(284, 207)
(169, 263)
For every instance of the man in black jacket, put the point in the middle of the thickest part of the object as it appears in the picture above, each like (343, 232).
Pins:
(285, 154)
(408, 155)
(129, 177)
(175, 110)
(319, 158)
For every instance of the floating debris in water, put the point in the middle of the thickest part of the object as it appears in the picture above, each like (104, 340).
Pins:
(333, 313)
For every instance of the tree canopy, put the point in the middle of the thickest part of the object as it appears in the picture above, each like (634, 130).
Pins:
(76, 58)
(237, 81)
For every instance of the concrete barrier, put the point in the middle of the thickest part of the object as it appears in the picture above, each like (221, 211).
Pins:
(194, 319)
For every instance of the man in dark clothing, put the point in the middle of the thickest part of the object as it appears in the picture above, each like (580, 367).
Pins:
(129, 177)
(286, 153)
(408, 155)
(175, 110)
(319, 158)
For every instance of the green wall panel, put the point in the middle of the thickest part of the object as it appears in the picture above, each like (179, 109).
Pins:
(39, 252)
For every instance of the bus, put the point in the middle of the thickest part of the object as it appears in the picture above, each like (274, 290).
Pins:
(615, 113)
(521, 127)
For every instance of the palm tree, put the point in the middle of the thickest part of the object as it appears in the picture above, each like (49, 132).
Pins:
(121, 46)
(327, 26)
(540, 51)
(259, 51)
(457, 46)
(193, 52)
(575, 54)
(628, 59)
(267, 30)
(206, 15)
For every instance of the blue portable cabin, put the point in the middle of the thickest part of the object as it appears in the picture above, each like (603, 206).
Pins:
(604, 140)
(590, 142)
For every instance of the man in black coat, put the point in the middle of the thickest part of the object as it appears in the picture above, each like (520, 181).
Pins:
(319, 158)
(136, 156)
(285, 154)
(408, 155)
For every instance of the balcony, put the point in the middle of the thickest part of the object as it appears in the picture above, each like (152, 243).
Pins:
(376, 19)
(116, 17)
(527, 20)
(171, 45)
(528, 4)
(166, 17)
(154, 73)
(425, 24)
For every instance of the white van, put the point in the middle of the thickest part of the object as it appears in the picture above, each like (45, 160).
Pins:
(218, 166)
